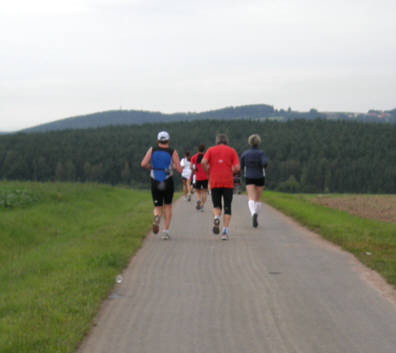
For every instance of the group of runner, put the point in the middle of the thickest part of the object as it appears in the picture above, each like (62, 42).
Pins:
(217, 167)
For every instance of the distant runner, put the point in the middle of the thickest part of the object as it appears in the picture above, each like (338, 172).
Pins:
(160, 160)
(253, 164)
(221, 162)
(186, 176)
(201, 179)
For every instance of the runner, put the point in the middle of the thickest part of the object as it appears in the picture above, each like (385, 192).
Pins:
(253, 162)
(220, 162)
(186, 176)
(201, 179)
(160, 160)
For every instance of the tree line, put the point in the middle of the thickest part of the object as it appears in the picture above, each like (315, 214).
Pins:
(304, 155)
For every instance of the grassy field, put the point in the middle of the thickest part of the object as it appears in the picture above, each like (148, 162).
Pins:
(61, 247)
(373, 242)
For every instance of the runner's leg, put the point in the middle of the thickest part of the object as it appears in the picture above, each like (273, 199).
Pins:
(251, 191)
(188, 185)
(158, 197)
(184, 181)
(257, 204)
(204, 194)
(216, 199)
(257, 199)
(168, 197)
(168, 216)
(227, 197)
(226, 220)
(157, 211)
(199, 202)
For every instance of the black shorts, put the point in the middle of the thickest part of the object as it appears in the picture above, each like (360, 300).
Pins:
(201, 184)
(162, 192)
(255, 181)
(226, 195)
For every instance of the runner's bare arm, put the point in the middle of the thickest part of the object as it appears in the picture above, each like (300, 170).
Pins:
(205, 165)
(146, 159)
(236, 168)
(176, 161)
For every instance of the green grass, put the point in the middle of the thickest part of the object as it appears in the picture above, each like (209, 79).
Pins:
(61, 247)
(372, 242)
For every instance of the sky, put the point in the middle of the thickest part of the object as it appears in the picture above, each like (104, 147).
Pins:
(63, 58)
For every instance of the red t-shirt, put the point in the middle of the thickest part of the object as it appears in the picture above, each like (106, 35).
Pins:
(221, 159)
(199, 173)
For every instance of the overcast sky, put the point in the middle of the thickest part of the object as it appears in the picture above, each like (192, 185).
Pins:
(61, 58)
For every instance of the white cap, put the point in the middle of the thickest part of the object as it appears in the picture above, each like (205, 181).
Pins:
(163, 136)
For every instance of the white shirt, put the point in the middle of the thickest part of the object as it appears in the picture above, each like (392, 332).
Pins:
(186, 165)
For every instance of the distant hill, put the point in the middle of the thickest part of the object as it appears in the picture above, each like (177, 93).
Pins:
(249, 112)
(138, 117)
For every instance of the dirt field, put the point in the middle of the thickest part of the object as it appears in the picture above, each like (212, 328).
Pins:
(380, 207)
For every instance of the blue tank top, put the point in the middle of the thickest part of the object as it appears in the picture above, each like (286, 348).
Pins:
(161, 163)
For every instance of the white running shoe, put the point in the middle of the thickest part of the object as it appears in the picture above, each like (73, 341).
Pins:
(165, 235)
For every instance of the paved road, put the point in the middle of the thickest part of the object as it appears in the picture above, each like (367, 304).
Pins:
(277, 288)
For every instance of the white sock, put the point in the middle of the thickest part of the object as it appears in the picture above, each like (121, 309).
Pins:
(251, 207)
(257, 207)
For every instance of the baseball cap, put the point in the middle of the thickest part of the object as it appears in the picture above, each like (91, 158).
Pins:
(163, 136)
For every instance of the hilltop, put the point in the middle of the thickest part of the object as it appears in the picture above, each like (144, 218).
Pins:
(248, 112)
(138, 117)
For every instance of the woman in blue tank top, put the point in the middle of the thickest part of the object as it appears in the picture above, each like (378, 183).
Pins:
(253, 164)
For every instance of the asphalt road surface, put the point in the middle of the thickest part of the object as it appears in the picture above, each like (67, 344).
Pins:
(277, 288)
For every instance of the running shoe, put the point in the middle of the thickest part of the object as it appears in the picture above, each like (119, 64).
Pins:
(165, 235)
(198, 205)
(156, 224)
(189, 197)
(216, 226)
(255, 223)
(224, 235)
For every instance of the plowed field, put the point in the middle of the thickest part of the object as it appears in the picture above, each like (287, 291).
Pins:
(380, 207)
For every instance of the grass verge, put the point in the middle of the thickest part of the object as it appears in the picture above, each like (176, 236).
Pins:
(61, 247)
(372, 242)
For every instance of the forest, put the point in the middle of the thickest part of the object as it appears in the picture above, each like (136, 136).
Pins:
(304, 155)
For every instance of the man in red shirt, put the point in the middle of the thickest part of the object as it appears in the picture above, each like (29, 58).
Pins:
(221, 162)
(201, 179)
